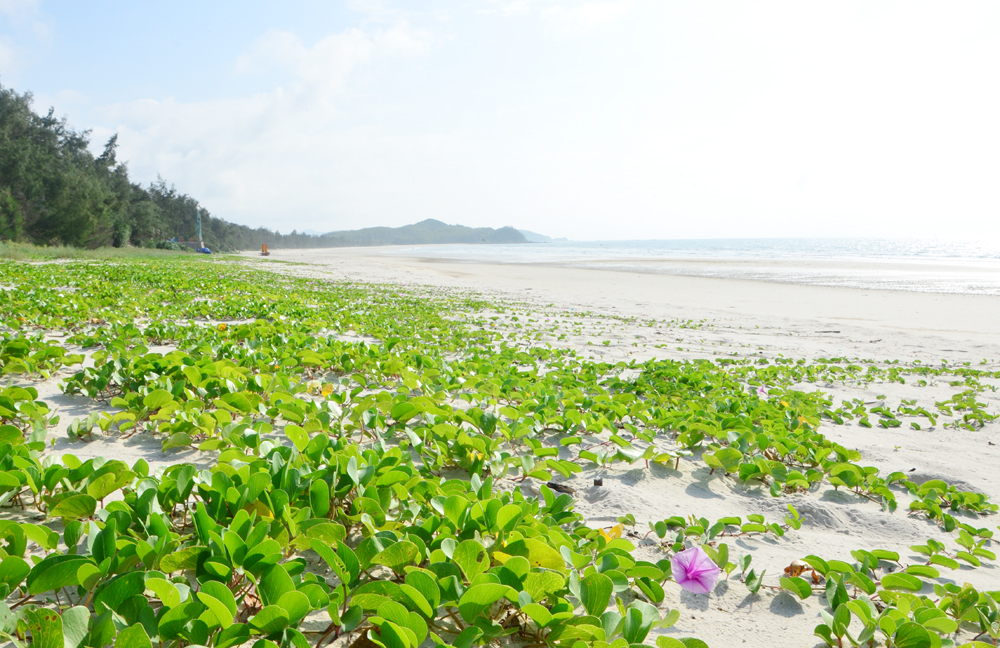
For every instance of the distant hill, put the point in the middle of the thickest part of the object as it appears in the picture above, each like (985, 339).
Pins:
(535, 237)
(426, 232)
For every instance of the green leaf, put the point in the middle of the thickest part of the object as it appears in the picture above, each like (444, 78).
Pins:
(238, 401)
(108, 483)
(508, 517)
(13, 570)
(727, 458)
(218, 609)
(923, 570)
(119, 589)
(76, 623)
(911, 635)
(691, 642)
(54, 572)
(426, 585)
(173, 622)
(274, 582)
(454, 507)
(269, 620)
(479, 597)
(595, 593)
(634, 629)
(467, 637)
(219, 592)
(902, 582)
(472, 559)
(75, 507)
(164, 590)
(234, 635)
(183, 559)
(157, 398)
(754, 581)
(538, 554)
(42, 535)
(296, 604)
(297, 435)
(537, 613)
(668, 642)
(133, 636)
(936, 620)
(417, 600)
(798, 586)
(46, 628)
(177, 440)
(540, 584)
(397, 556)
(392, 636)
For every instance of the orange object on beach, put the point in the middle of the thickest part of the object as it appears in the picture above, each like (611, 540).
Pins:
(263, 250)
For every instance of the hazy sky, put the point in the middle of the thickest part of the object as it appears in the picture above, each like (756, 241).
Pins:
(593, 120)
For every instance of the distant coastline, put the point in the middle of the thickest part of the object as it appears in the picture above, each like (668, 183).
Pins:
(426, 232)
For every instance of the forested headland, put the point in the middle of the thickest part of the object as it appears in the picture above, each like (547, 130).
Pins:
(54, 191)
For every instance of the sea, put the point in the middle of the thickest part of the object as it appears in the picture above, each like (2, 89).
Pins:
(923, 265)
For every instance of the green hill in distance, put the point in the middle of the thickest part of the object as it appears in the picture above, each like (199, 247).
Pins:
(426, 232)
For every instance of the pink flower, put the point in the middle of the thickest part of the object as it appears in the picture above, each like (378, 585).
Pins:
(762, 391)
(694, 570)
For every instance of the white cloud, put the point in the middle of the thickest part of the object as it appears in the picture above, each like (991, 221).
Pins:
(507, 7)
(567, 17)
(18, 7)
(251, 158)
(575, 19)
(326, 65)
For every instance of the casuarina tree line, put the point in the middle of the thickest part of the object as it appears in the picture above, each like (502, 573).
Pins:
(54, 191)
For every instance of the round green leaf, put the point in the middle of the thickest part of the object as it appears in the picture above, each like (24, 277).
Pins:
(54, 572)
(797, 586)
(75, 507)
(479, 597)
(269, 620)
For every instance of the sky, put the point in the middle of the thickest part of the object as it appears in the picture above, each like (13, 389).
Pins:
(613, 119)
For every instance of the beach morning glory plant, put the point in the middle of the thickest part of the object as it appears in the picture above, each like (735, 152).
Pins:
(694, 570)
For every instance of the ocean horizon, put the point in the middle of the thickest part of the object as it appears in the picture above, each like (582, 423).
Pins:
(911, 264)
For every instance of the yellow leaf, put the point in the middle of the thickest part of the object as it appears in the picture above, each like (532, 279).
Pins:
(327, 389)
(615, 532)
(261, 509)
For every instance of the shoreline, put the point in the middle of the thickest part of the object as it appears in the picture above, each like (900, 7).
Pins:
(951, 323)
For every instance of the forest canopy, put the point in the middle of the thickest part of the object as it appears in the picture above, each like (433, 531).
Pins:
(54, 191)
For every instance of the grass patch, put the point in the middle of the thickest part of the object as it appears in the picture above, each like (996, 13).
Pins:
(30, 252)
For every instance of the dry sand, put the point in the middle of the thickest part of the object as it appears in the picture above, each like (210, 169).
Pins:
(732, 318)
(745, 318)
